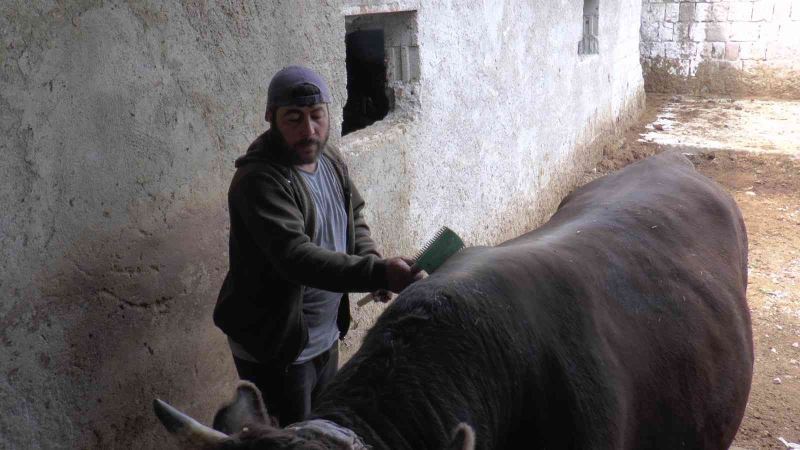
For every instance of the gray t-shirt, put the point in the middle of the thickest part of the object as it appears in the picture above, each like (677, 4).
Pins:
(320, 307)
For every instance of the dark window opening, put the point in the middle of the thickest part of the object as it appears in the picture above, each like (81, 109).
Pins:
(368, 96)
(589, 44)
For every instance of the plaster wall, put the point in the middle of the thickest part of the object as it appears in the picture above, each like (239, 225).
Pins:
(120, 121)
(722, 47)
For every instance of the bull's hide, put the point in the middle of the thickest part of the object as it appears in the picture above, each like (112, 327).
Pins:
(621, 323)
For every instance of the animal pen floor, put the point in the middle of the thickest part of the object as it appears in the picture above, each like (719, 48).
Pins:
(752, 148)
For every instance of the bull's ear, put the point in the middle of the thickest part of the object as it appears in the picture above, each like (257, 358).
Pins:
(189, 433)
(246, 409)
(463, 438)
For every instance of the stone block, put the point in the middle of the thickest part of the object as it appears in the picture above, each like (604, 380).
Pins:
(776, 51)
(697, 32)
(681, 31)
(744, 31)
(686, 13)
(768, 32)
(731, 51)
(702, 12)
(718, 50)
(740, 11)
(789, 35)
(719, 12)
(718, 31)
(657, 50)
(649, 31)
(653, 12)
(707, 51)
(689, 50)
(645, 48)
(753, 51)
(783, 10)
(672, 50)
(762, 10)
(672, 12)
(683, 67)
(665, 32)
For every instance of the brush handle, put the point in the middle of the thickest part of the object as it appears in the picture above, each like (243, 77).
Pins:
(367, 299)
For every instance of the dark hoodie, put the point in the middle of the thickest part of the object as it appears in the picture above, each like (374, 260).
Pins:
(272, 257)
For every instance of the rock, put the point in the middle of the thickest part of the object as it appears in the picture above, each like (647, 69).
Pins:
(751, 193)
(796, 345)
(776, 380)
(658, 126)
(793, 362)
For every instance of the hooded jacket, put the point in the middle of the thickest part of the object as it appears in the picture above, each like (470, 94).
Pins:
(272, 256)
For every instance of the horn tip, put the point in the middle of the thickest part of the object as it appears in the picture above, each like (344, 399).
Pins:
(166, 414)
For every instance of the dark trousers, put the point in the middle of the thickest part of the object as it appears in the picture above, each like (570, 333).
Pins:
(289, 391)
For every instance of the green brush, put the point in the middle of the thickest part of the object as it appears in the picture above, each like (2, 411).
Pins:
(444, 244)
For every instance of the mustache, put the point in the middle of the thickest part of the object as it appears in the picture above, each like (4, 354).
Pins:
(307, 141)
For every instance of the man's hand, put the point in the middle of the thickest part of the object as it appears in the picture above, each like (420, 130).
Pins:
(399, 273)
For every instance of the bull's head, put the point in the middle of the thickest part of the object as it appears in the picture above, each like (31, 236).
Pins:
(244, 424)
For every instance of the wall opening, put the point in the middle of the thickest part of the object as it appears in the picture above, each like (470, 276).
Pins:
(382, 63)
(368, 96)
(589, 44)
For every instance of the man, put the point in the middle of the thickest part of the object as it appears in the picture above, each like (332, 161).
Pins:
(298, 244)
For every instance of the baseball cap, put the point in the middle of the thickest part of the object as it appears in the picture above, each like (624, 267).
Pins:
(283, 89)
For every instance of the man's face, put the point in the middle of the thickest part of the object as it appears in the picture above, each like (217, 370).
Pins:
(304, 130)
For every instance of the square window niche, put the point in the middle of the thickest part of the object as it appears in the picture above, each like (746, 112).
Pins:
(589, 44)
(382, 65)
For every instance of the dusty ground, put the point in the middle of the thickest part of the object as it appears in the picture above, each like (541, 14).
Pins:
(752, 148)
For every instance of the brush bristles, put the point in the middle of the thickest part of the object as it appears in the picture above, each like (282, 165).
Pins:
(430, 242)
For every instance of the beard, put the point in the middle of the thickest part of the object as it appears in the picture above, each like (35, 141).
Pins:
(295, 153)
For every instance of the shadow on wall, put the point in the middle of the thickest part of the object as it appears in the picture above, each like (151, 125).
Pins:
(135, 309)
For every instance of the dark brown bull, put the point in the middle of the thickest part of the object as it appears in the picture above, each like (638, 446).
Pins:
(621, 323)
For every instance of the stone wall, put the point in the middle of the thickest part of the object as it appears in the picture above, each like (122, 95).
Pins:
(730, 47)
(119, 125)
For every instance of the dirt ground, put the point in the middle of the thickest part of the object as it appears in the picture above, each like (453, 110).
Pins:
(752, 148)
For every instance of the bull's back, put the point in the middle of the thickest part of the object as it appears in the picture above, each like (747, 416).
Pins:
(620, 323)
(640, 282)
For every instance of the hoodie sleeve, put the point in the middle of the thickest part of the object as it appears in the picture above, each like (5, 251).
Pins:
(268, 209)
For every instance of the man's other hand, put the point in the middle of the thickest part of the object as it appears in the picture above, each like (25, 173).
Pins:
(399, 274)
(382, 296)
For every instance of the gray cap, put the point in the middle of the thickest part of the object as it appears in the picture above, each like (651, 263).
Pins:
(282, 88)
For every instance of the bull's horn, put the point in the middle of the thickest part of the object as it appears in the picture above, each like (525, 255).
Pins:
(463, 438)
(189, 432)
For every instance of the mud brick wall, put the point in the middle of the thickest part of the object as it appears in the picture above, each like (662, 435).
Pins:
(743, 48)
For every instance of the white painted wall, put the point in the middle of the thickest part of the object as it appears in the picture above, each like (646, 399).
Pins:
(120, 123)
